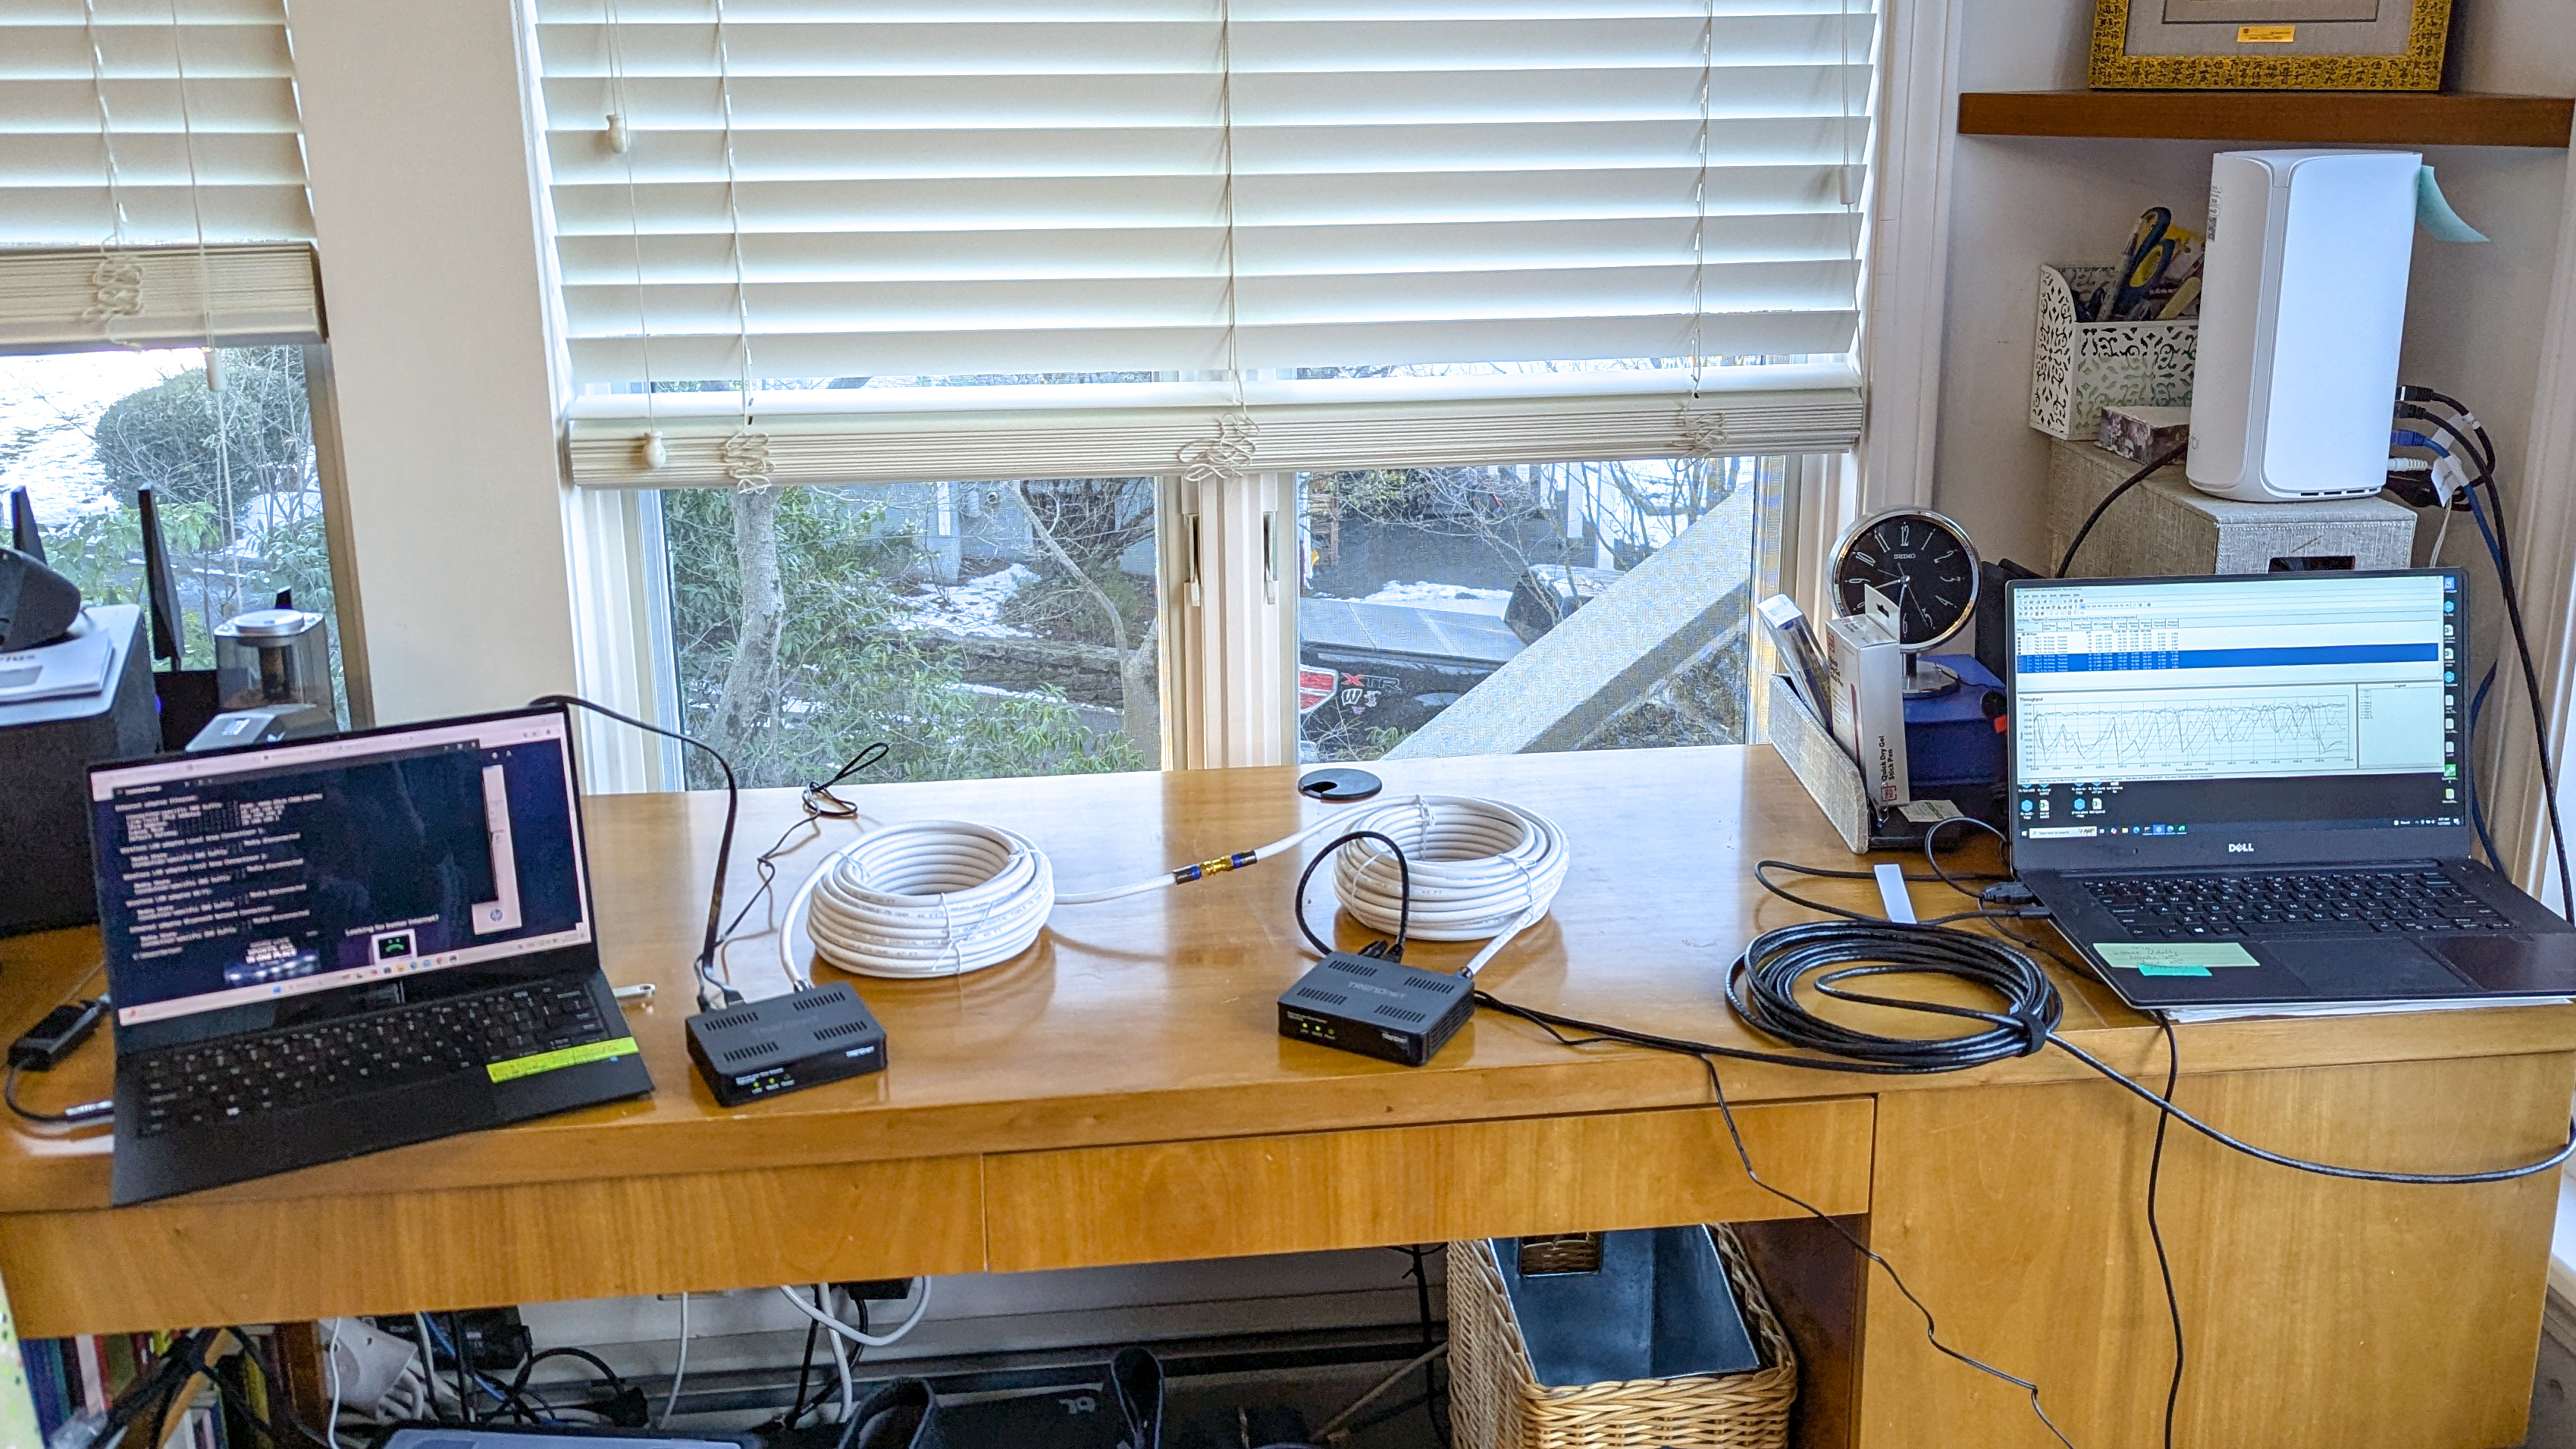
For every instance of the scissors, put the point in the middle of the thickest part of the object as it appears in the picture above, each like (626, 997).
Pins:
(2151, 249)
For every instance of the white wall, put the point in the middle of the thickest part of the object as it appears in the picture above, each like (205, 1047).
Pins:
(432, 277)
(2475, 311)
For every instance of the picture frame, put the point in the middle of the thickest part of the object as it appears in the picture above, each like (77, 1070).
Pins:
(2320, 45)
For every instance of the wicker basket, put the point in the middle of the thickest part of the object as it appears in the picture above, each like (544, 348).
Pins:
(1495, 1402)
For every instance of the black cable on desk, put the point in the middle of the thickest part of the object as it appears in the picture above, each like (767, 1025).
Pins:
(1392, 951)
(98, 1111)
(704, 966)
(2155, 1229)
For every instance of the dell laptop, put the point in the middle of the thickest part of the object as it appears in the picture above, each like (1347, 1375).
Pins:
(330, 947)
(2253, 791)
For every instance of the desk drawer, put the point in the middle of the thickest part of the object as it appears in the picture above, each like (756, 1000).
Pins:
(1298, 1192)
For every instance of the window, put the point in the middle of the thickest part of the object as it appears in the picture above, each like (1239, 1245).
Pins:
(159, 305)
(232, 467)
(980, 629)
(1424, 587)
(1248, 255)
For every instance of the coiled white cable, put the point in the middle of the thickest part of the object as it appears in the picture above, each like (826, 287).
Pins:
(931, 898)
(945, 897)
(1480, 868)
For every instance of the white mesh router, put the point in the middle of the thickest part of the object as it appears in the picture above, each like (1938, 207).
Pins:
(2302, 306)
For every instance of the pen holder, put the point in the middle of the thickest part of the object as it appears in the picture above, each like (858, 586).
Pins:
(2078, 368)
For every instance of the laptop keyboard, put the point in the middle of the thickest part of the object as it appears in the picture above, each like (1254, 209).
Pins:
(243, 1076)
(2291, 902)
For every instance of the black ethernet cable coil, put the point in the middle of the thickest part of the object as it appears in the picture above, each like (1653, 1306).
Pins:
(1763, 989)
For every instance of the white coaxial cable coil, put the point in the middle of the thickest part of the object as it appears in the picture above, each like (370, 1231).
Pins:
(1481, 868)
(930, 898)
(945, 897)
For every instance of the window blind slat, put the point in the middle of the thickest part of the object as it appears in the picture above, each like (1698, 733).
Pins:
(956, 49)
(155, 215)
(609, 260)
(249, 49)
(1017, 349)
(72, 160)
(1500, 197)
(791, 308)
(579, 158)
(1143, 98)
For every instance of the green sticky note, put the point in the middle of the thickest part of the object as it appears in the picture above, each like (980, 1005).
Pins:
(571, 1056)
(2173, 958)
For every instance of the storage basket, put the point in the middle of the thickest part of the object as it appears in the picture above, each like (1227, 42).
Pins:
(2079, 368)
(1496, 1403)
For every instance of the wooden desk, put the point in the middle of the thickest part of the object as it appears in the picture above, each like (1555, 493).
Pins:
(1121, 1095)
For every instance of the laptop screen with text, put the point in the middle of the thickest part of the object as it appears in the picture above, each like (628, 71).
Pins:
(2237, 706)
(232, 879)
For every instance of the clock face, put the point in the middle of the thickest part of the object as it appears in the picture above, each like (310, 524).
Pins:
(1921, 561)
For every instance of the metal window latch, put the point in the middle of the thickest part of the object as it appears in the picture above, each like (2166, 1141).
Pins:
(1270, 556)
(1190, 543)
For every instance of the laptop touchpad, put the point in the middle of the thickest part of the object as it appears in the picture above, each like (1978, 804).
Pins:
(2371, 966)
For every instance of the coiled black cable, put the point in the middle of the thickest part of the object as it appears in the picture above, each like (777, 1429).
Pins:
(1763, 989)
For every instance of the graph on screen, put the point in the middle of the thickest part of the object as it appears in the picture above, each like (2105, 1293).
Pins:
(2186, 733)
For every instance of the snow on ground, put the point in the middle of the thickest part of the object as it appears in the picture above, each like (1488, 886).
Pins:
(973, 607)
(50, 404)
(1454, 598)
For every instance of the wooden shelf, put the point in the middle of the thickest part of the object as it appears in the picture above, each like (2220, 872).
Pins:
(2374, 118)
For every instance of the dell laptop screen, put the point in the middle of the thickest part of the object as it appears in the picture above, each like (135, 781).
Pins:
(2161, 721)
(239, 879)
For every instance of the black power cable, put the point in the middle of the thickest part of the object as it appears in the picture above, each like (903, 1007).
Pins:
(2480, 453)
(2155, 1229)
(711, 991)
(79, 1112)
(2066, 560)
(1390, 951)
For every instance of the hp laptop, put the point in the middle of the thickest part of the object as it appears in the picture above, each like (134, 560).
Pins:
(2253, 791)
(331, 947)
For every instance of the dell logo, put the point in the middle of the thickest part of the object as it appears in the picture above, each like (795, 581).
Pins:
(2240, 847)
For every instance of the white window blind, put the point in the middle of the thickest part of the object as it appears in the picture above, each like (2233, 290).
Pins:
(893, 188)
(151, 175)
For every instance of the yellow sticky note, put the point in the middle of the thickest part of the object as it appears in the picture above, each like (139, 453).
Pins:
(2266, 34)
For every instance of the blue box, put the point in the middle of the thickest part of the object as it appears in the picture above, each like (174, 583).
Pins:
(1950, 739)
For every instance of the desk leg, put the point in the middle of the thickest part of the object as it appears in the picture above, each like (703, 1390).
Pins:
(2317, 1312)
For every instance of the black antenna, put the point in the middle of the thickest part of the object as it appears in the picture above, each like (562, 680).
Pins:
(23, 533)
(160, 593)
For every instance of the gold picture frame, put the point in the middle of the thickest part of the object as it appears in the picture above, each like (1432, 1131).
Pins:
(2254, 57)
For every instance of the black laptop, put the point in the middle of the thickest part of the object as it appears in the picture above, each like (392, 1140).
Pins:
(332, 947)
(2253, 791)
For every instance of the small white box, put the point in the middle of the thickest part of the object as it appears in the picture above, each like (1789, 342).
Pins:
(1867, 674)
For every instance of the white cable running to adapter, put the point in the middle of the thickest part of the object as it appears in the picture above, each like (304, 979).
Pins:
(679, 1369)
(945, 897)
(1481, 868)
(920, 1306)
(940, 898)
